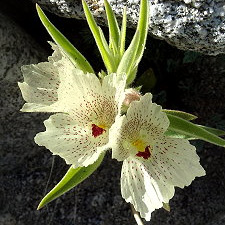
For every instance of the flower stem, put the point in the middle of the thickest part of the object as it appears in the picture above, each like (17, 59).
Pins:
(136, 216)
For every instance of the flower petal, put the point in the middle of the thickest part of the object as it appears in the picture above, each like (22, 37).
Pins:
(117, 139)
(74, 143)
(148, 115)
(144, 120)
(174, 161)
(141, 190)
(41, 82)
(86, 99)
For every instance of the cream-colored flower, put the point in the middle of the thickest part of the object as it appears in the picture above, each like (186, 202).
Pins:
(86, 107)
(41, 82)
(153, 163)
(80, 133)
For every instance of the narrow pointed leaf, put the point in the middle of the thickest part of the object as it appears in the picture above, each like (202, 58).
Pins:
(107, 59)
(142, 28)
(71, 179)
(126, 63)
(114, 48)
(174, 134)
(133, 54)
(215, 131)
(122, 39)
(114, 31)
(74, 55)
(104, 42)
(132, 75)
(185, 127)
(181, 114)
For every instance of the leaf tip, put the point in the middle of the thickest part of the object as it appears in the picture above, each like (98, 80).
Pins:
(38, 7)
(43, 202)
(40, 206)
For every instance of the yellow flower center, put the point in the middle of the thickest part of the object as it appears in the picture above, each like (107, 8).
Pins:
(140, 145)
(103, 126)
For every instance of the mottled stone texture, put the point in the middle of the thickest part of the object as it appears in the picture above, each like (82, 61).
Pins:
(197, 25)
(17, 49)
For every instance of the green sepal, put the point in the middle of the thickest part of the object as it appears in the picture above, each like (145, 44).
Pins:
(73, 54)
(181, 114)
(184, 127)
(71, 179)
(106, 56)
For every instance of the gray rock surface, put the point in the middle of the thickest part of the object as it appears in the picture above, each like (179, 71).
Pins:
(197, 25)
(17, 49)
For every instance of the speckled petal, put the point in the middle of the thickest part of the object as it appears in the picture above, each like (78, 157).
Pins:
(141, 190)
(174, 161)
(148, 116)
(72, 142)
(144, 120)
(86, 99)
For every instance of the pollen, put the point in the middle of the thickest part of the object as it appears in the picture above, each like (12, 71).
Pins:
(97, 130)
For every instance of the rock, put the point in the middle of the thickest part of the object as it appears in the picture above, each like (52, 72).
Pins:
(17, 49)
(17, 129)
(196, 25)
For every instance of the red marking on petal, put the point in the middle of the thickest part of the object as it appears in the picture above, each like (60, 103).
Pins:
(146, 154)
(96, 131)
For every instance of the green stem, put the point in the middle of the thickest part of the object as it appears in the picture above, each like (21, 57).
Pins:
(136, 216)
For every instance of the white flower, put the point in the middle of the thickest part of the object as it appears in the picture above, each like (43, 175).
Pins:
(86, 106)
(153, 163)
(41, 82)
(80, 133)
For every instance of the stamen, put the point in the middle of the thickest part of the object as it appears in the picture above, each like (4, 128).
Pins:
(96, 130)
(146, 154)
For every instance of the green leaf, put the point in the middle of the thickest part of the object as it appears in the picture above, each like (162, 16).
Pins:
(133, 54)
(147, 80)
(181, 114)
(122, 38)
(104, 42)
(114, 31)
(106, 56)
(185, 127)
(71, 179)
(173, 134)
(126, 63)
(143, 29)
(74, 55)
(215, 131)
